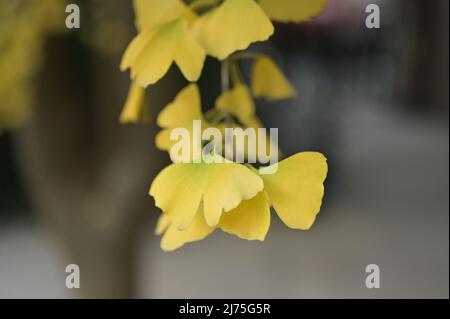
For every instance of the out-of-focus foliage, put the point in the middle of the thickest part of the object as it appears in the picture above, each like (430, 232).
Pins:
(293, 10)
(107, 29)
(269, 82)
(232, 26)
(25, 26)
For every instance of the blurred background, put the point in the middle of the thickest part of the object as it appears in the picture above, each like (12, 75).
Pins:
(74, 182)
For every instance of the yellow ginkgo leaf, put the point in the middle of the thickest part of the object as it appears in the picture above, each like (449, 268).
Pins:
(238, 102)
(133, 110)
(163, 141)
(162, 224)
(180, 188)
(180, 113)
(134, 49)
(150, 13)
(153, 51)
(232, 26)
(174, 238)
(228, 185)
(185, 108)
(269, 82)
(296, 189)
(250, 220)
(293, 10)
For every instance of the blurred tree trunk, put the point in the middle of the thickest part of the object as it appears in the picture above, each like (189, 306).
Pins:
(87, 175)
(425, 26)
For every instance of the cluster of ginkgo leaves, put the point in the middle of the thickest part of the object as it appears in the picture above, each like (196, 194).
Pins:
(198, 198)
(25, 25)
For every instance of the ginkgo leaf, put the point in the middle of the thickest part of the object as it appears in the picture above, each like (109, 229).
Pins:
(269, 82)
(150, 13)
(179, 189)
(238, 102)
(162, 224)
(293, 10)
(228, 185)
(190, 57)
(153, 51)
(135, 48)
(180, 113)
(174, 238)
(296, 189)
(133, 110)
(163, 141)
(232, 26)
(250, 220)
(185, 108)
